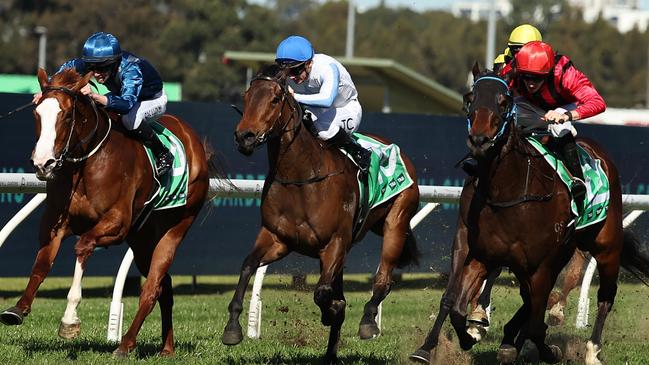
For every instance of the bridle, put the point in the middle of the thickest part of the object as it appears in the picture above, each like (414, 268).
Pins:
(75, 97)
(296, 112)
(509, 115)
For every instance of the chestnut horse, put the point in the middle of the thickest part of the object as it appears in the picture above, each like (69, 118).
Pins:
(309, 202)
(516, 214)
(98, 180)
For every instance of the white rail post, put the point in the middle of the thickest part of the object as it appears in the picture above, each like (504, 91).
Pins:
(22, 214)
(584, 300)
(116, 314)
(254, 313)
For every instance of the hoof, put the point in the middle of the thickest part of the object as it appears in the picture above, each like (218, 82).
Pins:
(553, 355)
(167, 353)
(507, 354)
(12, 316)
(476, 331)
(232, 334)
(120, 354)
(592, 350)
(69, 331)
(556, 315)
(368, 331)
(479, 317)
(420, 356)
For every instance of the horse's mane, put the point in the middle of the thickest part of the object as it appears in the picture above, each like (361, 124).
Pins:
(273, 71)
(68, 77)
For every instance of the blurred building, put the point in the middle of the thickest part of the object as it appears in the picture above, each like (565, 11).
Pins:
(622, 14)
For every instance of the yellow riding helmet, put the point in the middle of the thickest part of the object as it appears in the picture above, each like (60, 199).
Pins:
(507, 52)
(499, 59)
(522, 34)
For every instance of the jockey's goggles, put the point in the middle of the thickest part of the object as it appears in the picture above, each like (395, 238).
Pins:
(532, 77)
(102, 67)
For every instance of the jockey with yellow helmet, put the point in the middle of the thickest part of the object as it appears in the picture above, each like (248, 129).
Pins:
(521, 35)
(550, 81)
(135, 90)
(324, 86)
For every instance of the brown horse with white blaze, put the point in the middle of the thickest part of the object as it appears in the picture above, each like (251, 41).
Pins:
(309, 202)
(98, 180)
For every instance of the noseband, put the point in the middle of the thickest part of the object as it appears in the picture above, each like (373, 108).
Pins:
(509, 115)
(75, 97)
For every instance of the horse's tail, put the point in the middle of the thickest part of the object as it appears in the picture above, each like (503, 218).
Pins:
(634, 258)
(410, 254)
(215, 167)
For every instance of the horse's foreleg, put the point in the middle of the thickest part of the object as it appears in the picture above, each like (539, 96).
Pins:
(110, 230)
(155, 265)
(338, 304)
(473, 275)
(541, 284)
(50, 241)
(393, 241)
(70, 324)
(460, 253)
(267, 249)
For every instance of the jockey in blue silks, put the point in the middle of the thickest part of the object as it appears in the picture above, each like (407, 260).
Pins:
(135, 90)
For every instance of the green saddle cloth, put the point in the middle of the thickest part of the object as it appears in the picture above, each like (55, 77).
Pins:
(597, 188)
(172, 187)
(387, 175)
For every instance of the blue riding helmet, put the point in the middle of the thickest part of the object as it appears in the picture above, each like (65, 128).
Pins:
(101, 48)
(294, 50)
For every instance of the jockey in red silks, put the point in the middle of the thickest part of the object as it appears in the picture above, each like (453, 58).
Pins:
(551, 82)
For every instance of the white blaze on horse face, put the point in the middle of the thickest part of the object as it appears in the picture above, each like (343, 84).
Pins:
(48, 110)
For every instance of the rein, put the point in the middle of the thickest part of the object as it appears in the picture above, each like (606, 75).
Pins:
(296, 112)
(64, 154)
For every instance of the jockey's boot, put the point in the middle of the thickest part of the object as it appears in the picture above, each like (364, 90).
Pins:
(470, 166)
(164, 158)
(568, 148)
(360, 155)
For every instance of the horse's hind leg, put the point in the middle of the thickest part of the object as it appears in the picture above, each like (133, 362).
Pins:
(267, 249)
(558, 301)
(50, 241)
(166, 301)
(391, 253)
(154, 264)
(608, 265)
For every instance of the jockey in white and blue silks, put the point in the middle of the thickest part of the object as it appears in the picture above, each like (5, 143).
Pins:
(135, 90)
(325, 87)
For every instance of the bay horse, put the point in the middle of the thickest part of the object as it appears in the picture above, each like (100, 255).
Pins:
(98, 180)
(516, 214)
(309, 201)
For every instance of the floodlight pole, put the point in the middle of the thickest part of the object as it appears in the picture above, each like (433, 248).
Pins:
(351, 21)
(42, 45)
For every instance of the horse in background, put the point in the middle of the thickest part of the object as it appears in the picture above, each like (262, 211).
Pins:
(98, 180)
(309, 205)
(516, 214)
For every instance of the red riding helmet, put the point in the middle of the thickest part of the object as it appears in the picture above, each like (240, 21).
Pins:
(535, 58)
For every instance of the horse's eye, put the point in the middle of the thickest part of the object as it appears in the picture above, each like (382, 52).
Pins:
(276, 100)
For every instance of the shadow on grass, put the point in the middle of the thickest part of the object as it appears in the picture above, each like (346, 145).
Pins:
(304, 359)
(74, 349)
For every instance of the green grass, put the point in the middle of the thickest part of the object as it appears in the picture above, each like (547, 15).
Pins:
(291, 329)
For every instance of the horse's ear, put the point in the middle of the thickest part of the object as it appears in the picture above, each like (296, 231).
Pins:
(475, 70)
(42, 78)
(467, 100)
(82, 82)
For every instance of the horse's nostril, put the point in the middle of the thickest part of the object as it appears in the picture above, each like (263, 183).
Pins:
(49, 162)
